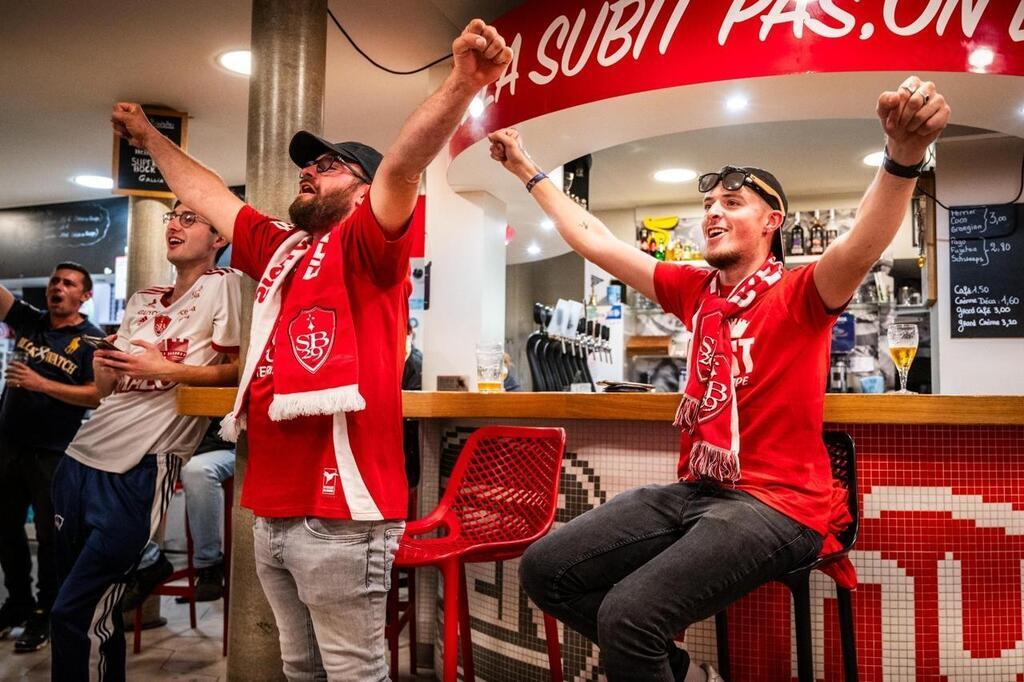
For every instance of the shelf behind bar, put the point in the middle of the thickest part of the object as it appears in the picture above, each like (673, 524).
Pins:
(839, 408)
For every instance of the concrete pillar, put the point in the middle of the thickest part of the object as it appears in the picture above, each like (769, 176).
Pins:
(147, 249)
(286, 93)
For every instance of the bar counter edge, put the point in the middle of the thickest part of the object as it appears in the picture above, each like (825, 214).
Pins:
(839, 408)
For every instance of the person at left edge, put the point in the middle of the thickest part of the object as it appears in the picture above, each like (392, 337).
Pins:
(47, 392)
(111, 491)
(320, 393)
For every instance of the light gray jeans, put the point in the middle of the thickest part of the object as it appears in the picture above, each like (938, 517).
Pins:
(327, 581)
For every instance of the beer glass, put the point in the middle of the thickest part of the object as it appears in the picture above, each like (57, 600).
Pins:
(488, 367)
(903, 348)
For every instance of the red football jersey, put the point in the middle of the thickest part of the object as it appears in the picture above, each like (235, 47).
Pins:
(351, 465)
(780, 348)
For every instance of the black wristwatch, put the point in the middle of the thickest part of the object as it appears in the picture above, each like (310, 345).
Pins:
(900, 170)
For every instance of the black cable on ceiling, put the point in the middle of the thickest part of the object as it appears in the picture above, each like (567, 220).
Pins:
(372, 61)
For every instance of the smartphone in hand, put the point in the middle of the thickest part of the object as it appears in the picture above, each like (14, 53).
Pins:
(98, 342)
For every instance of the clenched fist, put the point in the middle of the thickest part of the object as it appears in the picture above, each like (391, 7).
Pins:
(912, 117)
(130, 122)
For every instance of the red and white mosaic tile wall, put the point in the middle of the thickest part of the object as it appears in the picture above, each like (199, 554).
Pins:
(940, 559)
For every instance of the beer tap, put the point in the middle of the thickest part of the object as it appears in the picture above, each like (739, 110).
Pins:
(606, 337)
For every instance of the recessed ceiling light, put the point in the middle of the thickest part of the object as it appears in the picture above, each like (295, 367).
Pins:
(547, 224)
(675, 175)
(533, 249)
(981, 58)
(874, 159)
(476, 107)
(237, 61)
(737, 103)
(93, 181)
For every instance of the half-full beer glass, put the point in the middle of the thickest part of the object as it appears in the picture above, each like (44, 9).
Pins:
(903, 348)
(488, 367)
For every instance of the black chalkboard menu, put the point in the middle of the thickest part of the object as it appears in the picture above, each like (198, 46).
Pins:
(135, 172)
(986, 275)
(35, 238)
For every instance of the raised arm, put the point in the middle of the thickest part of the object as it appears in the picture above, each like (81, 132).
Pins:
(912, 117)
(584, 233)
(192, 182)
(480, 55)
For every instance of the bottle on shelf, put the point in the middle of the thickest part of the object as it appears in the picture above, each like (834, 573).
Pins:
(817, 237)
(796, 238)
(832, 230)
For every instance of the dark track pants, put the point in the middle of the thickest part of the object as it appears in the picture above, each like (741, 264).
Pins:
(26, 477)
(103, 521)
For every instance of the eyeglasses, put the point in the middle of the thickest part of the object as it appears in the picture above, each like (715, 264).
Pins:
(325, 163)
(185, 218)
(733, 179)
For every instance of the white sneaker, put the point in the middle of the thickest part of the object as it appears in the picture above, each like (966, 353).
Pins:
(712, 674)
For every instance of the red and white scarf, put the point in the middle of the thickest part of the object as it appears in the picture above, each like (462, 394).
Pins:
(708, 410)
(316, 367)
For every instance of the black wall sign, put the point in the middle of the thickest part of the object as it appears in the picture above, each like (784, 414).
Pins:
(134, 170)
(986, 275)
(35, 238)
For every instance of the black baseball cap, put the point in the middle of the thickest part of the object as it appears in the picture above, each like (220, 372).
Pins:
(761, 174)
(306, 147)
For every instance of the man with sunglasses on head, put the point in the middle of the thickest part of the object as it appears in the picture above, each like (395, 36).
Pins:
(320, 393)
(112, 489)
(753, 499)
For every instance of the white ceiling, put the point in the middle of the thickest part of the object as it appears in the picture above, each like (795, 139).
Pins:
(63, 64)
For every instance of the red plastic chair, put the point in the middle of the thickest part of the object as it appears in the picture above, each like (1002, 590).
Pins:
(189, 573)
(501, 497)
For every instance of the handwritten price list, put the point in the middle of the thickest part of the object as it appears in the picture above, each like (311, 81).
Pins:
(986, 271)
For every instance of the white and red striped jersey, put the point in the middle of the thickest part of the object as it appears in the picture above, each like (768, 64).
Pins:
(140, 416)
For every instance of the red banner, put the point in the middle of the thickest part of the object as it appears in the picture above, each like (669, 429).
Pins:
(567, 54)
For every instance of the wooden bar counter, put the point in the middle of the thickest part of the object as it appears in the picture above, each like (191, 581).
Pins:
(839, 408)
(939, 554)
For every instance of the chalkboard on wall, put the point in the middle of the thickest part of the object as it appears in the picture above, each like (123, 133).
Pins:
(135, 172)
(35, 238)
(986, 271)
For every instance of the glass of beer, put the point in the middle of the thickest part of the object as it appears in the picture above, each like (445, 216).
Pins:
(489, 358)
(903, 348)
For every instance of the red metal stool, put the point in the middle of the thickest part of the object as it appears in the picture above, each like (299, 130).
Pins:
(501, 497)
(189, 573)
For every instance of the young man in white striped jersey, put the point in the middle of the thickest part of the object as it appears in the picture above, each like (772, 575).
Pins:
(111, 491)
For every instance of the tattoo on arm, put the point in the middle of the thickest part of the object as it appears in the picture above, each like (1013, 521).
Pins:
(583, 224)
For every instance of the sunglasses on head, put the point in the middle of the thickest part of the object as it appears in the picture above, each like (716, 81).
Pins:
(185, 218)
(734, 178)
(326, 162)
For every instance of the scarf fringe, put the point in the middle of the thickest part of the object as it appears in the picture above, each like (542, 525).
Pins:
(710, 461)
(309, 403)
(231, 427)
(686, 413)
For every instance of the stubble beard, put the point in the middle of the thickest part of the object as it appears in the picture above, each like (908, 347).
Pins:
(322, 212)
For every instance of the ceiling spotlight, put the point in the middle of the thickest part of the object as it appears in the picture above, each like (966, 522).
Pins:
(476, 107)
(874, 159)
(237, 61)
(675, 175)
(533, 249)
(547, 224)
(737, 103)
(93, 181)
(981, 58)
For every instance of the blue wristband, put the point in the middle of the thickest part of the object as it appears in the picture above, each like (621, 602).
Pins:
(534, 180)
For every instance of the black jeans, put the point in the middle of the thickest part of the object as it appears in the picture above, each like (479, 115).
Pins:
(634, 573)
(26, 477)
